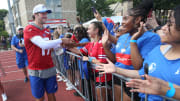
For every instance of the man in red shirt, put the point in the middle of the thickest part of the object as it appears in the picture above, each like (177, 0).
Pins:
(42, 72)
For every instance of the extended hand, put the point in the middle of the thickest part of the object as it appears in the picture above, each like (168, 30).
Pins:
(106, 68)
(140, 32)
(150, 86)
(105, 37)
(98, 16)
(20, 50)
(66, 42)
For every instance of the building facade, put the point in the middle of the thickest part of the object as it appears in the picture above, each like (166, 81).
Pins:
(62, 9)
(7, 24)
(119, 9)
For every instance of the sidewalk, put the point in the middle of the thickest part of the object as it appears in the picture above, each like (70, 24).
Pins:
(15, 87)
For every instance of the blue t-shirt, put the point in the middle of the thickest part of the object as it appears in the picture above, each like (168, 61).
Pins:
(162, 68)
(84, 40)
(62, 36)
(145, 44)
(15, 42)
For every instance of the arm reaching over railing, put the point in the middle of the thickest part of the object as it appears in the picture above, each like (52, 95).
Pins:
(111, 68)
(154, 86)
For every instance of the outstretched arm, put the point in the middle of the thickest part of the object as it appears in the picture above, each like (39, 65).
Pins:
(111, 68)
(110, 37)
(152, 85)
(48, 44)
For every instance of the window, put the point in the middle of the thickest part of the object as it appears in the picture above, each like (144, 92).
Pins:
(55, 6)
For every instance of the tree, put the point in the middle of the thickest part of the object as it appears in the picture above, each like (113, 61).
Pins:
(85, 12)
(3, 13)
(161, 4)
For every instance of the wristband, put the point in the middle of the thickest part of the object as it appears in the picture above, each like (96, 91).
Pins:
(133, 41)
(171, 92)
(91, 58)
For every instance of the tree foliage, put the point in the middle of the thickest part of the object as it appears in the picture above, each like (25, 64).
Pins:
(85, 11)
(3, 13)
(161, 4)
(158, 4)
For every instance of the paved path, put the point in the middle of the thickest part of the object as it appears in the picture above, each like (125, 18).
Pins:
(14, 84)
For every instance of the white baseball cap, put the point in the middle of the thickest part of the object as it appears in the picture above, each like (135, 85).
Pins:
(19, 27)
(41, 8)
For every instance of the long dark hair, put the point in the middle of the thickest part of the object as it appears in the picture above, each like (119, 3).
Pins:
(81, 32)
(99, 26)
(143, 9)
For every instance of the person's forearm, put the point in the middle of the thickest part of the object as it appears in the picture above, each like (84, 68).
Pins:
(109, 54)
(14, 48)
(81, 44)
(136, 58)
(165, 87)
(113, 39)
(128, 73)
(177, 94)
(45, 44)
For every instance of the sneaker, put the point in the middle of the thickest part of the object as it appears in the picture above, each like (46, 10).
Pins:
(26, 79)
(58, 76)
(65, 80)
(68, 84)
(70, 88)
(60, 79)
(4, 97)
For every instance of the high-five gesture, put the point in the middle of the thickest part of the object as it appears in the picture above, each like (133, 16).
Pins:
(98, 16)
(140, 32)
(105, 37)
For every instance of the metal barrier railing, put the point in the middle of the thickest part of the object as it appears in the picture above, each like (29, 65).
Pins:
(71, 64)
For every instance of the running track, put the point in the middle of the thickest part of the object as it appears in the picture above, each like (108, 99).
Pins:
(15, 87)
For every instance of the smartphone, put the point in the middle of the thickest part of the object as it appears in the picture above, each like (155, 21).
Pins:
(93, 9)
(150, 14)
(146, 69)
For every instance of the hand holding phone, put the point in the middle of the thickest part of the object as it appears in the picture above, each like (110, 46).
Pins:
(94, 10)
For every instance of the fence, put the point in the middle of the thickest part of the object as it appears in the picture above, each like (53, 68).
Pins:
(83, 77)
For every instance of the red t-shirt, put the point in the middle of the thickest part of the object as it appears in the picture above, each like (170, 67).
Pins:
(38, 59)
(96, 50)
(74, 38)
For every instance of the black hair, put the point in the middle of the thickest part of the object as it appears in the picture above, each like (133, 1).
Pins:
(33, 17)
(98, 25)
(143, 9)
(82, 32)
(68, 36)
(177, 17)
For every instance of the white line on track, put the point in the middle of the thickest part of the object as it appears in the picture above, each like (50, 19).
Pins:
(13, 71)
(9, 66)
(11, 80)
(8, 62)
